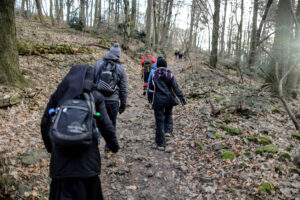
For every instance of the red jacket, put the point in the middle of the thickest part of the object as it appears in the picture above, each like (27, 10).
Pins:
(152, 59)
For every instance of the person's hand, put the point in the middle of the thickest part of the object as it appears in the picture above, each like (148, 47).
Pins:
(122, 108)
(184, 107)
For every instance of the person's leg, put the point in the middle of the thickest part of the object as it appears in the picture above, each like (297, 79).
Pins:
(112, 108)
(168, 123)
(93, 188)
(159, 124)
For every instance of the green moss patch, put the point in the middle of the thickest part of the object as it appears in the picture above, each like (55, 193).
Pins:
(284, 156)
(296, 135)
(271, 148)
(264, 140)
(217, 135)
(228, 155)
(244, 165)
(229, 120)
(199, 144)
(253, 139)
(230, 131)
(259, 151)
(266, 187)
(295, 171)
(277, 111)
(289, 148)
(248, 154)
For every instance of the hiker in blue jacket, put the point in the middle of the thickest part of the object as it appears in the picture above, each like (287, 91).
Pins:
(153, 69)
(162, 90)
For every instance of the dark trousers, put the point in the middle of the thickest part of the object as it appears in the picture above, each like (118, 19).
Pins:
(76, 189)
(146, 76)
(112, 108)
(163, 124)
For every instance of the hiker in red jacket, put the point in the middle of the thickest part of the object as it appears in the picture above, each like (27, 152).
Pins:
(147, 63)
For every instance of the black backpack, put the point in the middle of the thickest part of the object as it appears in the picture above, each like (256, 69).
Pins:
(74, 122)
(107, 78)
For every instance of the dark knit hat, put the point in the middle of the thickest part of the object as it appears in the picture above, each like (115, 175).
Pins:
(147, 53)
(115, 50)
(161, 62)
(160, 56)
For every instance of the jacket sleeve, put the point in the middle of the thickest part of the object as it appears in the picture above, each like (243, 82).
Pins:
(123, 86)
(150, 89)
(153, 60)
(46, 122)
(105, 124)
(149, 78)
(143, 62)
(177, 91)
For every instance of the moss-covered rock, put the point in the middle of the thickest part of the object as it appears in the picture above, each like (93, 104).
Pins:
(271, 148)
(259, 151)
(264, 140)
(266, 187)
(284, 156)
(296, 135)
(228, 155)
(230, 130)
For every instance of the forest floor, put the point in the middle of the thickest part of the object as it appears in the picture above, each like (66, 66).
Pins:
(252, 128)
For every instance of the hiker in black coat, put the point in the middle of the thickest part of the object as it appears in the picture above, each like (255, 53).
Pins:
(74, 171)
(162, 90)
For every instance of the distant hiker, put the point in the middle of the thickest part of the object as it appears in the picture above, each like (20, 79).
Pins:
(176, 54)
(180, 54)
(162, 90)
(110, 77)
(147, 63)
(69, 125)
(153, 69)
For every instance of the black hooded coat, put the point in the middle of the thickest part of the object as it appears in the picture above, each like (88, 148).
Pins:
(77, 162)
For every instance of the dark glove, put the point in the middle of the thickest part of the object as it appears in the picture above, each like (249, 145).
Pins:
(122, 108)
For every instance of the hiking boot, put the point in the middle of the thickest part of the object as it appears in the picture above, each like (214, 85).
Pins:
(160, 148)
(168, 135)
(108, 154)
(144, 93)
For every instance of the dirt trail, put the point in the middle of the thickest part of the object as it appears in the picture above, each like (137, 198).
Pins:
(138, 171)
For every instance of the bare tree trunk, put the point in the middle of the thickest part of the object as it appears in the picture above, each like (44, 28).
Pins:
(229, 41)
(193, 10)
(157, 30)
(133, 18)
(117, 13)
(91, 13)
(69, 4)
(281, 47)
(251, 61)
(148, 24)
(223, 29)
(51, 13)
(23, 5)
(86, 12)
(215, 35)
(38, 7)
(96, 14)
(126, 24)
(166, 26)
(57, 11)
(61, 10)
(9, 58)
(154, 25)
(82, 12)
(269, 3)
(99, 19)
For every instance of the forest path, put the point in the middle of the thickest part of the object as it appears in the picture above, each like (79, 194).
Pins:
(138, 171)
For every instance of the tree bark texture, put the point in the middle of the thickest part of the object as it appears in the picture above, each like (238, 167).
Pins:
(61, 10)
(215, 35)
(9, 57)
(51, 13)
(264, 17)
(223, 29)
(251, 61)
(167, 22)
(281, 46)
(82, 12)
(133, 17)
(126, 24)
(38, 7)
(99, 18)
(57, 11)
(148, 24)
(193, 10)
(96, 13)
